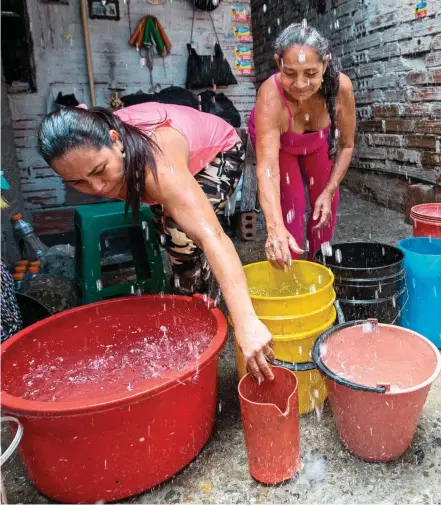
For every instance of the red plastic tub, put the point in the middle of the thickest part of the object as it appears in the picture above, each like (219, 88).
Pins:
(426, 220)
(114, 397)
(270, 417)
(378, 377)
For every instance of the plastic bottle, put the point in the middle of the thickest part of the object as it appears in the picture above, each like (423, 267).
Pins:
(32, 272)
(24, 231)
(18, 280)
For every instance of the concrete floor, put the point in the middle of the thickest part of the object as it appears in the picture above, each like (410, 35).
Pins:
(330, 474)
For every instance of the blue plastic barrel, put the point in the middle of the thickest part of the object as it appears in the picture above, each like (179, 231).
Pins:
(422, 261)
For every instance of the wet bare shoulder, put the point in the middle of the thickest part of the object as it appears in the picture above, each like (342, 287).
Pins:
(345, 90)
(269, 103)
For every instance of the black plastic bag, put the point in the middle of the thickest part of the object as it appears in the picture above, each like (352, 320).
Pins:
(206, 5)
(208, 71)
(220, 105)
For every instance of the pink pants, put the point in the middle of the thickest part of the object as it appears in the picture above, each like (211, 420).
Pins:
(316, 169)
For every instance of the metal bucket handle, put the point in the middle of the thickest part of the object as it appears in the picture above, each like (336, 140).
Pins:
(329, 373)
(14, 444)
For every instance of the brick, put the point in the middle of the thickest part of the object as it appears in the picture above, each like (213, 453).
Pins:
(433, 127)
(404, 155)
(415, 45)
(421, 142)
(372, 125)
(384, 52)
(432, 159)
(399, 125)
(370, 69)
(433, 59)
(367, 42)
(386, 140)
(429, 93)
(416, 195)
(417, 109)
(391, 110)
(418, 78)
(371, 152)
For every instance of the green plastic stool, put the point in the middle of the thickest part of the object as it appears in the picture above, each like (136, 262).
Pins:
(91, 221)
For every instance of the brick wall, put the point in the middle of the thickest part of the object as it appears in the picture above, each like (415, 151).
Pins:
(394, 61)
(61, 66)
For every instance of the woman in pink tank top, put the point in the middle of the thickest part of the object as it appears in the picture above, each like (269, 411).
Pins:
(303, 128)
(184, 163)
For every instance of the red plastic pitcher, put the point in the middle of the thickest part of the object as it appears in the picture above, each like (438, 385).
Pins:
(270, 418)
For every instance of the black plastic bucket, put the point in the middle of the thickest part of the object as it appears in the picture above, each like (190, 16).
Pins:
(31, 309)
(370, 280)
(362, 260)
(386, 310)
(370, 289)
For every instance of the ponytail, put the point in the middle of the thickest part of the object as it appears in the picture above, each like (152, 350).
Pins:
(329, 89)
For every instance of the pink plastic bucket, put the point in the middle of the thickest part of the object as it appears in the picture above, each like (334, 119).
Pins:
(378, 377)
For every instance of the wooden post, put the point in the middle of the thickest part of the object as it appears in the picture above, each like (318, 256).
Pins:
(84, 17)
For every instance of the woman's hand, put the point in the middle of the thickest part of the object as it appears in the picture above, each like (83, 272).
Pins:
(278, 247)
(322, 210)
(254, 341)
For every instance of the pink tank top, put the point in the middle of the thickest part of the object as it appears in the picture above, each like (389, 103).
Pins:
(206, 134)
(293, 143)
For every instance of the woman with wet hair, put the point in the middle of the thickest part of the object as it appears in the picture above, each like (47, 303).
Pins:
(185, 164)
(303, 128)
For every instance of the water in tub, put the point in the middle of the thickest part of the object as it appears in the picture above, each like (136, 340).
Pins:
(133, 357)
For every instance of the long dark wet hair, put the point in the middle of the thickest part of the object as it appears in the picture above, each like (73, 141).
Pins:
(74, 127)
(302, 35)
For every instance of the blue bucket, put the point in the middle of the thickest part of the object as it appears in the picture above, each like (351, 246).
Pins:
(422, 261)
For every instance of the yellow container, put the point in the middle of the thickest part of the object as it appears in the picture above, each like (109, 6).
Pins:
(305, 288)
(311, 387)
(287, 325)
(297, 348)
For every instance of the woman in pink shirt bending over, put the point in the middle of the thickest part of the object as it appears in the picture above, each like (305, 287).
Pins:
(184, 163)
(303, 128)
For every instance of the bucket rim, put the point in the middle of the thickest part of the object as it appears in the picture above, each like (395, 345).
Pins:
(291, 337)
(329, 374)
(34, 408)
(248, 375)
(300, 316)
(352, 269)
(427, 240)
(324, 288)
(416, 209)
(295, 367)
(368, 281)
(373, 302)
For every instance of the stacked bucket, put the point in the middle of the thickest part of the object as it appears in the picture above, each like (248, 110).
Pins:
(296, 306)
(369, 279)
(426, 220)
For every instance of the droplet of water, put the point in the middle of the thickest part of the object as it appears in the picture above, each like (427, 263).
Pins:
(302, 56)
(264, 8)
(304, 24)
(278, 21)
(99, 285)
(307, 116)
(337, 133)
(311, 182)
(269, 30)
(338, 256)
(287, 179)
(290, 216)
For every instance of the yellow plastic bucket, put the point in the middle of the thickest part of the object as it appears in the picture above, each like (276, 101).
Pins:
(287, 325)
(304, 288)
(297, 348)
(311, 387)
